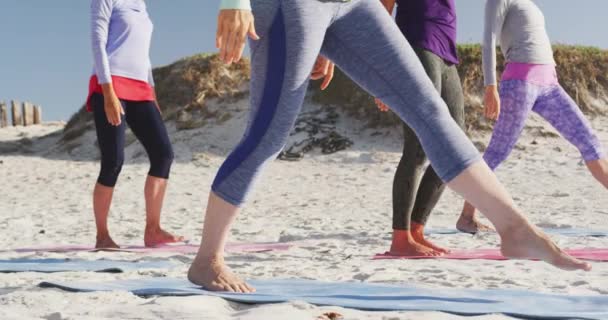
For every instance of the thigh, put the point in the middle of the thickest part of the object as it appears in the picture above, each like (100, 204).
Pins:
(432, 64)
(367, 45)
(110, 138)
(291, 36)
(562, 112)
(516, 101)
(452, 94)
(146, 122)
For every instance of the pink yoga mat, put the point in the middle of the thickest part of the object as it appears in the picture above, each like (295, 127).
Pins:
(590, 254)
(177, 248)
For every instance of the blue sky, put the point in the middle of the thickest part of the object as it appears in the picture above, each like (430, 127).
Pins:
(45, 56)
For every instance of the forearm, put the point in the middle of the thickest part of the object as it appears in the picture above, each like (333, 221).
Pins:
(108, 90)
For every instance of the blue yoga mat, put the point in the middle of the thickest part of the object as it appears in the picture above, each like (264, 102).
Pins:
(377, 297)
(570, 232)
(65, 265)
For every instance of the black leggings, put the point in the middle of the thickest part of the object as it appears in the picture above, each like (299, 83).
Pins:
(144, 119)
(407, 185)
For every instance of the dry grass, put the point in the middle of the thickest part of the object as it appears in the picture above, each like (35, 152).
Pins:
(583, 72)
(184, 87)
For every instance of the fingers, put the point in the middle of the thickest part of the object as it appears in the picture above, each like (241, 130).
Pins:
(381, 106)
(240, 46)
(224, 38)
(252, 33)
(318, 69)
(113, 118)
(233, 43)
(219, 35)
(329, 76)
(233, 28)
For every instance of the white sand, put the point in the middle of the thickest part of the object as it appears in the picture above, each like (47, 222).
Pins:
(340, 204)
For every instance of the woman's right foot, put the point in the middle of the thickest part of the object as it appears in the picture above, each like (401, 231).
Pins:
(417, 231)
(212, 274)
(470, 224)
(527, 242)
(105, 242)
(404, 245)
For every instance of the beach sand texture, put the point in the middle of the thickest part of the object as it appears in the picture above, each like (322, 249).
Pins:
(339, 205)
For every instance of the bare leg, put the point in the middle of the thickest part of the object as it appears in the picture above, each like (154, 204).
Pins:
(519, 239)
(599, 170)
(102, 199)
(154, 192)
(208, 268)
(468, 222)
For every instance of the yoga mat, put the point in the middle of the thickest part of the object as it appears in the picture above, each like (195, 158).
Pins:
(570, 232)
(177, 248)
(494, 254)
(67, 265)
(377, 297)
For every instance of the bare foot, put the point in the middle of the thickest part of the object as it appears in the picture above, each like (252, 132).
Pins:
(105, 242)
(157, 236)
(404, 245)
(471, 225)
(417, 231)
(213, 275)
(527, 242)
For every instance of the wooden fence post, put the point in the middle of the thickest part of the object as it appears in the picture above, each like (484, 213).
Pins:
(37, 114)
(16, 113)
(3, 115)
(28, 114)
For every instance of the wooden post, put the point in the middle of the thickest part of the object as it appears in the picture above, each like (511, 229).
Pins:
(16, 113)
(3, 115)
(37, 114)
(28, 114)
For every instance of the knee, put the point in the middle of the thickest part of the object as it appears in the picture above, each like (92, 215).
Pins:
(494, 158)
(160, 164)
(110, 170)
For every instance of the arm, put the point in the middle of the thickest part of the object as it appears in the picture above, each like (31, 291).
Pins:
(389, 5)
(101, 12)
(150, 77)
(495, 13)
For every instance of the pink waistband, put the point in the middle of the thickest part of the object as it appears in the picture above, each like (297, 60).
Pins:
(542, 74)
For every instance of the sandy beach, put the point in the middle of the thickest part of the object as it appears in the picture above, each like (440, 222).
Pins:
(338, 206)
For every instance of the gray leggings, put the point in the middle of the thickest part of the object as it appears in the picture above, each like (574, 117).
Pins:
(362, 39)
(407, 185)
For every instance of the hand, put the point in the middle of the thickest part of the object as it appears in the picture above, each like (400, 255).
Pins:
(323, 68)
(491, 102)
(233, 26)
(383, 107)
(111, 105)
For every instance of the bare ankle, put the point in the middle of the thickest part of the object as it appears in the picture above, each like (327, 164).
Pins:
(153, 227)
(103, 235)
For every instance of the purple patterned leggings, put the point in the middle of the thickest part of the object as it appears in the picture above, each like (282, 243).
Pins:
(518, 98)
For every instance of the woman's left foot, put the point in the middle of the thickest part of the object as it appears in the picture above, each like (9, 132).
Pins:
(157, 236)
(472, 225)
(417, 231)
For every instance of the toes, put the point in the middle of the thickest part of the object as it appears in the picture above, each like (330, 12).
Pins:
(249, 288)
(235, 288)
(244, 288)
